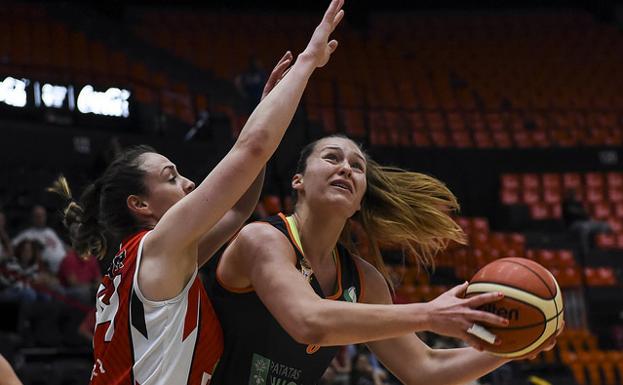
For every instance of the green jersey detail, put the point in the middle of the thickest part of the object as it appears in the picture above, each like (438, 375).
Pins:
(350, 295)
(267, 372)
(259, 370)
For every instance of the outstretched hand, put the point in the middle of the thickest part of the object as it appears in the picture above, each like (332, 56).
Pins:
(319, 48)
(280, 70)
(452, 315)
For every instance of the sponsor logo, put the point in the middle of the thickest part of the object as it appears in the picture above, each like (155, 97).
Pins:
(267, 372)
(509, 314)
(116, 264)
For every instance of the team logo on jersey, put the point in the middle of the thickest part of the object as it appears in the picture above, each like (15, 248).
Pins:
(350, 295)
(306, 269)
(116, 265)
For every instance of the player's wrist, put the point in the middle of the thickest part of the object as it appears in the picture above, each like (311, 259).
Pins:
(420, 315)
(307, 61)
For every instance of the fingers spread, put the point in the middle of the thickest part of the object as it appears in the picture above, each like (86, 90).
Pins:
(459, 290)
(486, 317)
(333, 9)
(483, 299)
(286, 56)
(281, 66)
(337, 19)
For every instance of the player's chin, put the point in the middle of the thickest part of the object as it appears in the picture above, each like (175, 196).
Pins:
(341, 203)
(345, 201)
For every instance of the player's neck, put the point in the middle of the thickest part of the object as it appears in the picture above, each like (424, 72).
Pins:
(318, 233)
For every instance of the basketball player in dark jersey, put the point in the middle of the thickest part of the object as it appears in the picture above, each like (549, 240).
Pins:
(285, 289)
(154, 322)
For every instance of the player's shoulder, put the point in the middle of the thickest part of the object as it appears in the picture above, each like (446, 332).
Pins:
(260, 236)
(367, 268)
(259, 231)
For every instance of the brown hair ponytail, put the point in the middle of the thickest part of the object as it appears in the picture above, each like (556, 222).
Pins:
(102, 206)
(86, 234)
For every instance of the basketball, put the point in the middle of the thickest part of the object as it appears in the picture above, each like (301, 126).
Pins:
(532, 303)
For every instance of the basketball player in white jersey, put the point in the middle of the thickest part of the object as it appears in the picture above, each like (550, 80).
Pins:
(155, 324)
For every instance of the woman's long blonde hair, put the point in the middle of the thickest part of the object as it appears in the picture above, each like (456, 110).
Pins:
(401, 209)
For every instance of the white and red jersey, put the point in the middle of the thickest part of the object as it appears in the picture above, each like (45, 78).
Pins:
(143, 342)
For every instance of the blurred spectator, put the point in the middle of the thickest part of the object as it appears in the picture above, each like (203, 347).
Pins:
(87, 326)
(378, 373)
(365, 373)
(328, 377)
(6, 249)
(20, 272)
(250, 83)
(502, 375)
(342, 365)
(80, 276)
(578, 221)
(53, 248)
(572, 209)
(7, 375)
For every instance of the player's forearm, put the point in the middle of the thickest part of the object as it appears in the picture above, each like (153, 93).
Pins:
(341, 323)
(246, 204)
(231, 222)
(456, 366)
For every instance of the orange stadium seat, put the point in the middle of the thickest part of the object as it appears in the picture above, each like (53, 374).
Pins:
(531, 196)
(510, 181)
(551, 181)
(614, 179)
(540, 210)
(615, 194)
(594, 194)
(353, 121)
(556, 210)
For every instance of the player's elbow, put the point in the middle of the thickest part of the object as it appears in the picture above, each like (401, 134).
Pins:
(255, 144)
(309, 330)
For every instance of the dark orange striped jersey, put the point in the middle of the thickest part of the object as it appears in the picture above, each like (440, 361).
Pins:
(257, 349)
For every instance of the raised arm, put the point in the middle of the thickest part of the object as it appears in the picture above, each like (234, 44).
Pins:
(233, 219)
(170, 251)
(263, 258)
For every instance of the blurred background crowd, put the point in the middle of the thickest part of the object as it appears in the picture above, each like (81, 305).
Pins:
(516, 106)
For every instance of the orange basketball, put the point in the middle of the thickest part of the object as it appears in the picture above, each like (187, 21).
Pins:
(532, 303)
